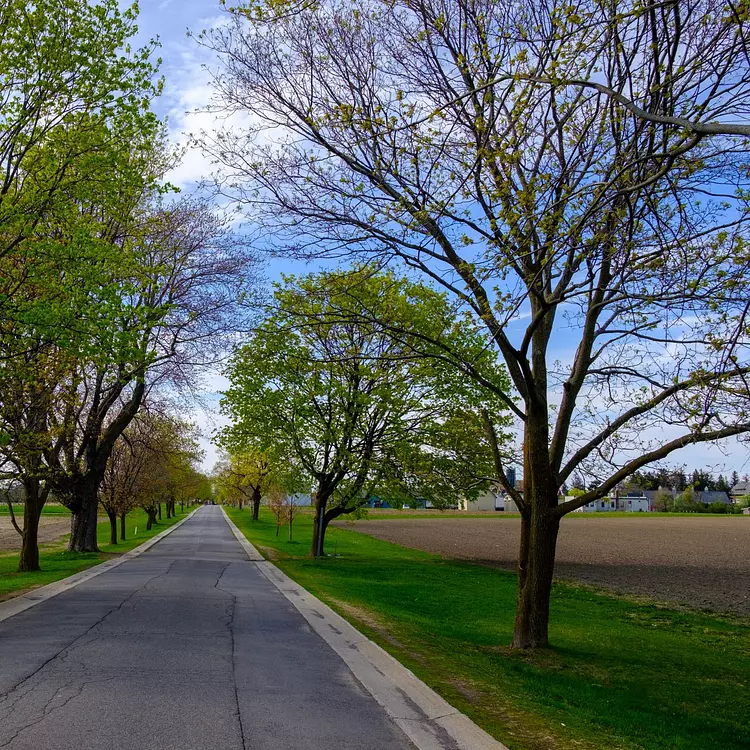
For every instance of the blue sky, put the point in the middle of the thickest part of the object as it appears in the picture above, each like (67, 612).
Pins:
(188, 89)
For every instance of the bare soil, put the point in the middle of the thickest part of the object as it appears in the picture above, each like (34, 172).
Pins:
(698, 562)
(51, 529)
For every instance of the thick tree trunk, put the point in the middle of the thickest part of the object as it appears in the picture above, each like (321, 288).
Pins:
(151, 513)
(32, 509)
(122, 526)
(539, 528)
(112, 526)
(83, 519)
(29, 560)
(160, 511)
(256, 503)
(536, 567)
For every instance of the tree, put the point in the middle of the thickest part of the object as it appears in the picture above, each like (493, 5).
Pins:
(246, 475)
(356, 409)
(553, 167)
(663, 500)
(173, 301)
(152, 461)
(73, 93)
(75, 129)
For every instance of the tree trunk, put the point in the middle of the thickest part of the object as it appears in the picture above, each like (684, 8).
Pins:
(256, 503)
(83, 519)
(539, 528)
(320, 523)
(122, 526)
(536, 565)
(160, 511)
(112, 526)
(32, 510)
(151, 513)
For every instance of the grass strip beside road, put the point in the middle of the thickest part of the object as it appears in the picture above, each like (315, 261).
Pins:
(57, 563)
(621, 674)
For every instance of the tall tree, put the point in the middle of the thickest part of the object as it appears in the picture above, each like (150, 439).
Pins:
(569, 172)
(361, 411)
(73, 92)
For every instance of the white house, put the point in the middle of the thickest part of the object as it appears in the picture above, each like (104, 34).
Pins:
(628, 502)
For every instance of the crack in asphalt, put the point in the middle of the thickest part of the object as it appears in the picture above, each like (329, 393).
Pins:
(62, 654)
(231, 611)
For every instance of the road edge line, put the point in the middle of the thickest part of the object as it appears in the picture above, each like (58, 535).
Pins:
(428, 720)
(11, 607)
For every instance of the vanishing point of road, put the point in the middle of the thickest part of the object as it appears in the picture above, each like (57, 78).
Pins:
(186, 647)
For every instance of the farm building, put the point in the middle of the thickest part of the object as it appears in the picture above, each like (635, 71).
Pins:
(740, 490)
(487, 501)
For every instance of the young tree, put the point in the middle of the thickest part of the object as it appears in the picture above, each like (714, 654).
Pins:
(357, 409)
(567, 172)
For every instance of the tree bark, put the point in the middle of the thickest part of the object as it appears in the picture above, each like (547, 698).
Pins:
(151, 513)
(32, 511)
(321, 500)
(159, 511)
(112, 526)
(84, 518)
(535, 586)
(122, 526)
(256, 503)
(539, 528)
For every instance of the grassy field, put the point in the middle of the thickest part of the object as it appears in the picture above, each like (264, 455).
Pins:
(48, 510)
(56, 563)
(620, 674)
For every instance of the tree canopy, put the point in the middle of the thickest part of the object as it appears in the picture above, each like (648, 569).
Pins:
(361, 411)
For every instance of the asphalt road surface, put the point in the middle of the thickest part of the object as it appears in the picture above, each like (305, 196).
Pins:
(186, 646)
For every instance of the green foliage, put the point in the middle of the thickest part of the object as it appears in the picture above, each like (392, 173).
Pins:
(75, 108)
(347, 379)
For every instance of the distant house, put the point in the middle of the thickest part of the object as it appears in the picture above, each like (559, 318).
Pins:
(629, 499)
(740, 490)
(602, 505)
(709, 497)
(486, 501)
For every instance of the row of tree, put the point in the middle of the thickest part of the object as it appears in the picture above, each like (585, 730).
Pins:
(338, 390)
(673, 479)
(112, 287)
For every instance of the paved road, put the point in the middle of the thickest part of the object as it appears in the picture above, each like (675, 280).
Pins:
(187, 646)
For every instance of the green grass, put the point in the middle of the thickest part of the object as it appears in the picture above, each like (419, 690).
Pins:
(620, 674)
(48, 510)
(56, 563)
